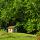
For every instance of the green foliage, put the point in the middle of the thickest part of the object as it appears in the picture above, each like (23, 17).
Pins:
(25, 13)
(38, 34)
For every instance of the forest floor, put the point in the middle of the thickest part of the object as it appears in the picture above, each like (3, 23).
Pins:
(16, 36)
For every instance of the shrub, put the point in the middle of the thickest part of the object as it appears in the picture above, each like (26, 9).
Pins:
(38, 34)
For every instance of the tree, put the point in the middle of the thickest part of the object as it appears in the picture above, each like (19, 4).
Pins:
(24, 12)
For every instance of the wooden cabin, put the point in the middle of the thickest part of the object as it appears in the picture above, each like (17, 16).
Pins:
(10, 29)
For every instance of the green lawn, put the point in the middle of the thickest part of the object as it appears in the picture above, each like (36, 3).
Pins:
(16, 36)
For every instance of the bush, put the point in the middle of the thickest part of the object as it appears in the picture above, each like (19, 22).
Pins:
(38, 34)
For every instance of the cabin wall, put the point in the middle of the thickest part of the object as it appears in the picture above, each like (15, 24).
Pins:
(10, 30)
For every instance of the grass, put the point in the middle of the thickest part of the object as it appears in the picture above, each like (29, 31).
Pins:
(16, 36)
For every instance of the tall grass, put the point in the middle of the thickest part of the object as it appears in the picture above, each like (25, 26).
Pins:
(16, 36)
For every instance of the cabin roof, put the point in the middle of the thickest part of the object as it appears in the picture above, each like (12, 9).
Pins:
(11, 27)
